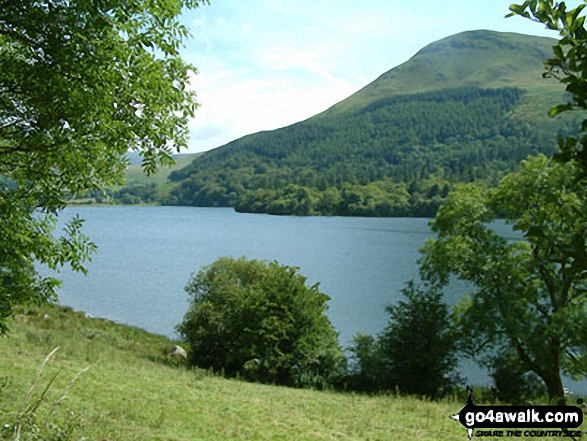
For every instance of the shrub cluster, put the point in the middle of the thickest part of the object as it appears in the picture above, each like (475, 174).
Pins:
(260, 320)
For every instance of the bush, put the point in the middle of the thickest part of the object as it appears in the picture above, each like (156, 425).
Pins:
(418, 345)
(260, 320)
(367, 364)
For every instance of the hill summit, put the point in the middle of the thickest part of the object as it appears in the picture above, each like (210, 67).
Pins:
(469, 59)
(467, 107)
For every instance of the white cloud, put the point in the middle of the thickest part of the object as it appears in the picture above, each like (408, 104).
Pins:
(233, 105)
(262, 87)
(313, 61)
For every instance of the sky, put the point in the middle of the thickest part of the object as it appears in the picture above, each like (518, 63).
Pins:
(265, 64)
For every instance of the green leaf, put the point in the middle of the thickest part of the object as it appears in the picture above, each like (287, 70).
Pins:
(575, 12)
(519, 10)
(556, 110)
(558, 52)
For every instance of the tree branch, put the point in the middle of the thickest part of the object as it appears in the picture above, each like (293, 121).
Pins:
(4, 30)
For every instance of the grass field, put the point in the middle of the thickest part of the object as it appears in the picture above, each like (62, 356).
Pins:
(132, 391)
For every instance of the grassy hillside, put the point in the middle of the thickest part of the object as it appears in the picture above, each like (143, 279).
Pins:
(132, 392)
(469, 59)
(135, 174)
(467, 108)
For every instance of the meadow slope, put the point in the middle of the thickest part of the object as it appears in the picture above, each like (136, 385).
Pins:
(131, 391)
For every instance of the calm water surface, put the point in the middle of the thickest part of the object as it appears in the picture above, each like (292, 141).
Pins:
(147, 254)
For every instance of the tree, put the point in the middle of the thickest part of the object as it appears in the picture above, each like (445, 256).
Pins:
(568, 65)
(366, 365)
(260, 320)
(82, 83)
(415, 354)
(417, 344)
(528, 293)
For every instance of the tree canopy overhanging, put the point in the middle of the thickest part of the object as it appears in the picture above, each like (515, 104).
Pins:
(568, 65)
(82, 83)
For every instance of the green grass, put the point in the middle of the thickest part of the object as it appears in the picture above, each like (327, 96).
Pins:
(131, 391)
(136, 176)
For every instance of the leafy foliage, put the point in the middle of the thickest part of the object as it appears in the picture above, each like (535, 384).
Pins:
(260, 320)
(418, 343)
(366, 364)
(529, 294)
(415, 354)
(82, 83)
(568, 64)
(25, 236)
(513, 383)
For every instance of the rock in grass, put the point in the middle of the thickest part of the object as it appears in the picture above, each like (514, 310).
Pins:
(178, 352)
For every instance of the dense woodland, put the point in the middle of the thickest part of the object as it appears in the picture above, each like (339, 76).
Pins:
(398, 156)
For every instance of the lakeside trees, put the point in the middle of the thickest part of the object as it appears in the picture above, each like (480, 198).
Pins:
(81, 84)
(260, 320)
(528, 308)
(525, 316)
(415, 354)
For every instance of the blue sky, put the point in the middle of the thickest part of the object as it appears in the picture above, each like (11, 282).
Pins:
(265, 64)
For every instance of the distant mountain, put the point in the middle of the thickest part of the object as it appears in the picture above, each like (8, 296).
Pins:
(468, 107)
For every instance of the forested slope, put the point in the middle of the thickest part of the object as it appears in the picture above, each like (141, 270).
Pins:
(393, 154)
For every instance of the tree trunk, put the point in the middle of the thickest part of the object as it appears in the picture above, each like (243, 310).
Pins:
(548, 372)
(554, 386)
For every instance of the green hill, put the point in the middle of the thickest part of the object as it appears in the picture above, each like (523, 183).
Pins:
(471, 59)
(139, 188)
(468, 107)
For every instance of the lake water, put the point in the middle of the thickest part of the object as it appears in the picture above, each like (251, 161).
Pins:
(147, 254)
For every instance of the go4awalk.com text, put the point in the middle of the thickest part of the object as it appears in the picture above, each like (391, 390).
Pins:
(520, 421)
(571, 434)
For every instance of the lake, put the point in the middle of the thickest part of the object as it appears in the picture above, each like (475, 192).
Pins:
(147, 254)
